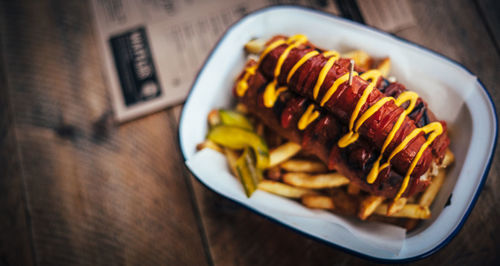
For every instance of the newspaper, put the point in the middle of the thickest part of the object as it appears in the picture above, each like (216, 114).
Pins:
(153, 49)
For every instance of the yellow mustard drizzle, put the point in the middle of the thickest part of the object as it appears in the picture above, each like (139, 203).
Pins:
(335, 86)
(373, 174)
(407, 96)
(352, 135)
(435, 129)
(308, 117)
(242, 85)
(403, 97)
(333, 56)
(271, 94)
(372, 110)
(331, 53)
(300, 63)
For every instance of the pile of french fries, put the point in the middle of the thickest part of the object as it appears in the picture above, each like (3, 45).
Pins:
(309, 181)
(296, 175)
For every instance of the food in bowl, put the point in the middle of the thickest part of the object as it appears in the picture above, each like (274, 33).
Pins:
(333, 131)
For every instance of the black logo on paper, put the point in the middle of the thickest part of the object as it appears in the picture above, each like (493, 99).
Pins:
(135, 67)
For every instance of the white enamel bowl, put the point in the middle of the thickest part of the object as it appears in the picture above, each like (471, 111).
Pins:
(452, 92)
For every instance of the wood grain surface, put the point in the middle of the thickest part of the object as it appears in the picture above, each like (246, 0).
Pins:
(488, 11)
(15, 247)
(75, 188)
(97, 194)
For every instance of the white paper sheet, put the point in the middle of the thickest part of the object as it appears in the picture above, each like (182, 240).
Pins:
(211, 168)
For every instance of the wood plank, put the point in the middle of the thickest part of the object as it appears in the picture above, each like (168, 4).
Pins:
(490, 11)
(98, 194)
(349, 9)
(15, 243)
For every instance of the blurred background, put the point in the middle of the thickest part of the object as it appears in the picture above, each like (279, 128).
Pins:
(88, 178)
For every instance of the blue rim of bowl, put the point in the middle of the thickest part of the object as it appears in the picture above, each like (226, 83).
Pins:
(347, 250)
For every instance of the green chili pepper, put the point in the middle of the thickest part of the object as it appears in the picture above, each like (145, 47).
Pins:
(249, 175)
(233, 118)
(238, 138)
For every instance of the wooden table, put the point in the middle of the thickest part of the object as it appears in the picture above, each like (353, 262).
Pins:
(75, 188)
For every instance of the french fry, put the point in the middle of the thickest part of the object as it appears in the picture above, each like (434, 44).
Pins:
(213, 117)
(209, 144)
(430, 193)
(361, 58)
(283, 189)
(232, 157)
(307, 166)
(448, 159)
(384, 67)
(319, 181)
(414, 211)
(255, 46)
(283, 153)
(344, 203)
(368, 206)
(396, 205)
(318, 202)
(353, 189)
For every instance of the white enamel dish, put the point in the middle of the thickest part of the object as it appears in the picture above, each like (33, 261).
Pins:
(452, 92)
